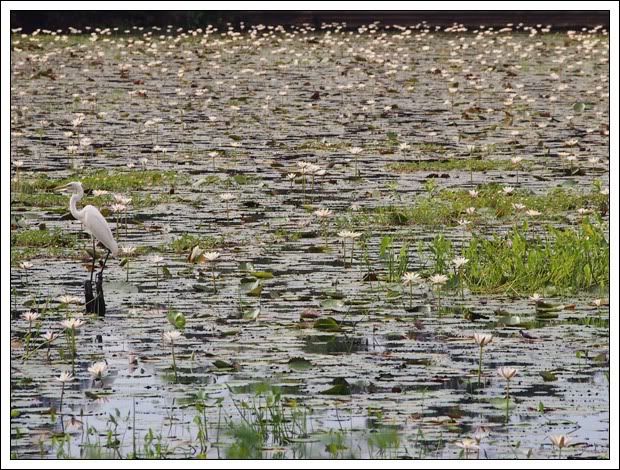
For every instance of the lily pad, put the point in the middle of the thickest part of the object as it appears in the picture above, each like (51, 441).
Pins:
(299, 363)
(251, 314)
(327, 324)
(548, 376)
(219, 364)
(262, 274)
(335, 305)
(176, 319)
(340, 387)
(252, 288)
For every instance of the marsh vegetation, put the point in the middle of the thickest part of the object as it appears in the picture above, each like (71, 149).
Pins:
(313, 225)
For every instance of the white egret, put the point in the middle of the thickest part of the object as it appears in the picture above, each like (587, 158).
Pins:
(92, 221)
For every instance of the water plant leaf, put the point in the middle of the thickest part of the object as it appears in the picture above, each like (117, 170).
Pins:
(246, 267)
(548, 376)
(299, 363)
(335, 305)
(262, 274)
(176, 319)
(579, 107)
(546, 315)
(252, 288)
(327, 324)
(542, 306)
(251, 314)
(510, 320)
(500, 402)
(202, 287)
(340, 387)
(219, 364)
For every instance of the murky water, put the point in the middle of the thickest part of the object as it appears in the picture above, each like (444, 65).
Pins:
(409, 370)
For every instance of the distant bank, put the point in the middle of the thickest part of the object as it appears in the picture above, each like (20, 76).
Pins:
(32, 20)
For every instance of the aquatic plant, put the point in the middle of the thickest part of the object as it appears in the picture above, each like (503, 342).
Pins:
(560, 441)
(507, 373)
(71, 326)
(170, 337)
(481, 340)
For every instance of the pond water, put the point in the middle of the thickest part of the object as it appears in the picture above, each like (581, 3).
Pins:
(393, 375)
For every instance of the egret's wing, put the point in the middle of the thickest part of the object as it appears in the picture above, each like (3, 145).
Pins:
(96, 224)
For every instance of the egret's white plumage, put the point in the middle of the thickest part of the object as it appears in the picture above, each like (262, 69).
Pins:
(92, 220)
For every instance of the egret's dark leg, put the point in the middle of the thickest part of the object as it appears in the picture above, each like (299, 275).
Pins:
(93, 270)
(105, 261)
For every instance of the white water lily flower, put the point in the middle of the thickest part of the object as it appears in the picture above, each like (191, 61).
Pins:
(348, 234)
(128, 250)
(459, 262)
(410, 278)
(72, 323)
(155, 259)
(507, 372)
(49, 336)
(323, 213)
(65, 377)
(467, 444)
(438, 279)
(98, 370)
(211, 255)
(170, 337)
(560, 441)
(227, 197)
(482, 339)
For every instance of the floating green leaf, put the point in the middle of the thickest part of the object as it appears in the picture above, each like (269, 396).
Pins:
(299, 363)
(219, 364)
(548, 376)
(341, 387)
(176, 319)
(327, 324)
(335, 305)
(579, 107)
(262, 274)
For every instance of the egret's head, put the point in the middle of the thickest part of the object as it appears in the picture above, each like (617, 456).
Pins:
(75, 187)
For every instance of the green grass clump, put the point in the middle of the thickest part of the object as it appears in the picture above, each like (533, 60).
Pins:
(104, 180)
(35, 238)
(571, 259)
(450, 165)
(247, 442)
(446, 207)
(186, 242)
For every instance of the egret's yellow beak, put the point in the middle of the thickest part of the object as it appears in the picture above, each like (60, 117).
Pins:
(62, 188)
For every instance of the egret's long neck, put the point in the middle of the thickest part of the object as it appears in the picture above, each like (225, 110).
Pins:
(73, 205)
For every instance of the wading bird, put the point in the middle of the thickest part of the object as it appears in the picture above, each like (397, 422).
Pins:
(92, 221)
